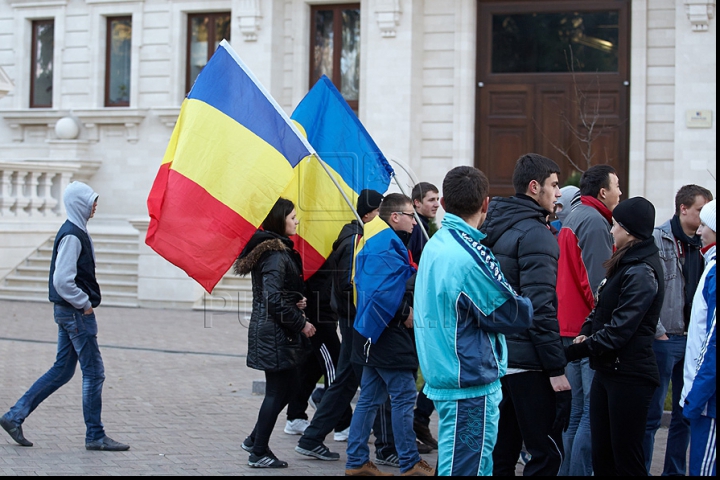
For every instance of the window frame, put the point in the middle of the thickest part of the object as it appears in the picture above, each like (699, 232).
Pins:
(337, 9)
(108, 48)
(211, 45)
(33, 60)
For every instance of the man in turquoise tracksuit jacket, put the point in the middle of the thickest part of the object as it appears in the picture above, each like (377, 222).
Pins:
(463, 309)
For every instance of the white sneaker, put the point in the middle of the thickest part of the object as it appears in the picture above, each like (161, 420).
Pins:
(296, 427)
(342, 436)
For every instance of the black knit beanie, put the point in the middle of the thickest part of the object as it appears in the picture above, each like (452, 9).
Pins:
(368, 201)
(637, 216)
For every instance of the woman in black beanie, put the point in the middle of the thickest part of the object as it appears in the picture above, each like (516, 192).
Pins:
(618, 337)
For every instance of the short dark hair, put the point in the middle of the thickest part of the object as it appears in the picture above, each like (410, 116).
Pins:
(393, 203)
(464, 191)
(275, 220)
(688, 194)
(421, 189)
(595, 178)
(532, 166)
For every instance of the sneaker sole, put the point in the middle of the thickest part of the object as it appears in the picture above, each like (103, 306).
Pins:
(103, 449)
(310, 453)
(256, 465)
(246, 448)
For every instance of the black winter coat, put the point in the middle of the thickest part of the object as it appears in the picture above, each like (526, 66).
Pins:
(340, 262)
(621, 328)
(275, 341)
(528, 252)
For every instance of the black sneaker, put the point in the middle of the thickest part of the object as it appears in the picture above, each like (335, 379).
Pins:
(248, 445)
(15, 433)
(321, 452)
(107, 444)
(422, 432)
(269, 460)
(391, 460)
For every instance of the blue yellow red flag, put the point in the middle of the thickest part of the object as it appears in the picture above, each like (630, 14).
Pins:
(230, 157)
(380, 271)
(352, 158)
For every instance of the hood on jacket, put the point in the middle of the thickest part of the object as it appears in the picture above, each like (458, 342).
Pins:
(504, 213)
(260, 243)
(350, 229)
(79, 199)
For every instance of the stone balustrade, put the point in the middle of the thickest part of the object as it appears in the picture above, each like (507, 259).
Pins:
(34, 188)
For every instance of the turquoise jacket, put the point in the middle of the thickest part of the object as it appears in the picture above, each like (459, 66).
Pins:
(463, 309)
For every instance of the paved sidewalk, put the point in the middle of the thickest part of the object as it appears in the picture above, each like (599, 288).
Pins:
(177, 390)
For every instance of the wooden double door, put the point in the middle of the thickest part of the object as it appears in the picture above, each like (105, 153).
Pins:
(553, 78)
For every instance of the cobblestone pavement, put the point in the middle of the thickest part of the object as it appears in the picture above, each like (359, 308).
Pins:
(177, 390)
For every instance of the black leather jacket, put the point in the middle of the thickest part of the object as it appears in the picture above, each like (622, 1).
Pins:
(274, 339)
(621, 328)
(528, 252)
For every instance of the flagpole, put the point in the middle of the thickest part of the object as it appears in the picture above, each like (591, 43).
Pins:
(417, 217)
(289, 121)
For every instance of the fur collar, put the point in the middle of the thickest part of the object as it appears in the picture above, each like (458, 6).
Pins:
(244, 264)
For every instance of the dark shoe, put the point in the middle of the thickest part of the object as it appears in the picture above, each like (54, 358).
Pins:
(367, 470)
(391, 460)
(269, 460)
(321, 452)
(248, 445)
(107, 444)
(423, 449)
(422, 432)
(15, 433)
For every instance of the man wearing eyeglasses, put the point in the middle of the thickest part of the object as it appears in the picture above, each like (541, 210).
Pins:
(388, 358)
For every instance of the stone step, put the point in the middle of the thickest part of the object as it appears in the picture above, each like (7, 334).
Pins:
(109, 299)
(116, 257)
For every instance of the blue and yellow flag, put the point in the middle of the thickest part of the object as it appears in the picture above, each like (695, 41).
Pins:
(353, 159)
(231, 155)
(381, 269)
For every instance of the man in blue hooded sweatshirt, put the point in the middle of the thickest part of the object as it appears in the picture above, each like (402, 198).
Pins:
(74, 291)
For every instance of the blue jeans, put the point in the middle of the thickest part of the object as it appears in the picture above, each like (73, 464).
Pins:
(576, 439)
(77, 340)
(375, 386)
(670, 356)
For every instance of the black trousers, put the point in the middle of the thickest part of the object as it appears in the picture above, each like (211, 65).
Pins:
(618, 415)
(424, 407)
(527, 414)
(326, 350)
(337, 398)
(279, 389)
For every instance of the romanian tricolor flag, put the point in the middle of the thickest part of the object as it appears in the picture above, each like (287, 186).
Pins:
(352, 158)
(231, 156)
(380, 271)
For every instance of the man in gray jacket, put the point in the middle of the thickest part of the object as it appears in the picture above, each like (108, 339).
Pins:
(683, 265)
(75, 294)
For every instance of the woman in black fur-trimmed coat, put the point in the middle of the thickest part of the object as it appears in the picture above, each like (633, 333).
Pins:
(277, 337)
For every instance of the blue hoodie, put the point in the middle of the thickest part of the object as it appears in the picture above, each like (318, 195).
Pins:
(463, 309)
(79, 199)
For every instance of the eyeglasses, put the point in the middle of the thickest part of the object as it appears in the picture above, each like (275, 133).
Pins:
(411, 215)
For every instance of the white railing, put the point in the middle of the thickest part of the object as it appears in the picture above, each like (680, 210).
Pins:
(34, 189)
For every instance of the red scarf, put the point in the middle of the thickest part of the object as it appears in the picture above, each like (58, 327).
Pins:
(704, 250)
(597, 205)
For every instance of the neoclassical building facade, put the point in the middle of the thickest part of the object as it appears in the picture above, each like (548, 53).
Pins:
(90, 90)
